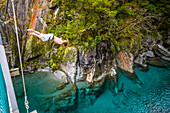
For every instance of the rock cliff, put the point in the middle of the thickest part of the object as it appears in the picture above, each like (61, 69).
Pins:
(80, 65)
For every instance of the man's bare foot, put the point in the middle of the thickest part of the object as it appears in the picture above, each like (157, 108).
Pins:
(31, 33)
(30, 30)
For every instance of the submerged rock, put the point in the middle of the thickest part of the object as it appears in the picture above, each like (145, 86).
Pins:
(156, 62)
(113, 81)
(90, 92)
(66, 98)
(132, 77)
(141, 68)
(47, 91)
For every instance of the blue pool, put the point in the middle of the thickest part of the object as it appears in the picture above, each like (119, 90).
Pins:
(152, 97)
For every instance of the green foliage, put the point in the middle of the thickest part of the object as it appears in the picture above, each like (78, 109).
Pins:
(162, 7)
(57, 57)
(42, 66)
(87, 23)
(35, 66)
(52, 64)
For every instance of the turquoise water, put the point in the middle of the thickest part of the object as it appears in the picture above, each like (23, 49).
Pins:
(152, 97)
(4, 106)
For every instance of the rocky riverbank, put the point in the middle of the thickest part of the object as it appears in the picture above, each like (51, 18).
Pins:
(87, 72)
(48, 93)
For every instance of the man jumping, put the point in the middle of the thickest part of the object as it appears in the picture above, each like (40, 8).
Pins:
(47, 37)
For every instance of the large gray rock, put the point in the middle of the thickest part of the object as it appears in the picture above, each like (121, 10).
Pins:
(97, 63)
(140, 60)
(125, 63)
(105, 69)
(61, 76)
(165, 58)
(69, 66)
(161, 51)
(149, 54)
(80, 75)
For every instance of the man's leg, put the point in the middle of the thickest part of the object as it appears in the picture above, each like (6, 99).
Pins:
(38, 33)
(39, 36)
(31, 30)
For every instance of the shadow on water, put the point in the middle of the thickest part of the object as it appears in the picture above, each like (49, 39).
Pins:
(152, 96)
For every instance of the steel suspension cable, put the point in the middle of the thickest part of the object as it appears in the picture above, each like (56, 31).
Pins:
(26, 101)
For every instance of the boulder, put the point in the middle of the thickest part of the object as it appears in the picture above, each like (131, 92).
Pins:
(125, 61)
(61, 76)
(147, 41)
(161, 51)
(165, 58)
(140, 60)
(149, 54)
(105, 69)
